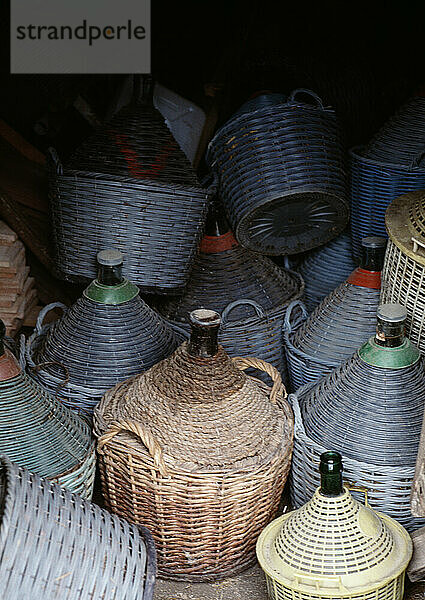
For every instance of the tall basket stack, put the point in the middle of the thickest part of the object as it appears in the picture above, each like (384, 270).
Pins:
(198, 452)
(128, 187)
(282, 175)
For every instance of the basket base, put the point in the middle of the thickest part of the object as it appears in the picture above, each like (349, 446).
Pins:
(293, 223)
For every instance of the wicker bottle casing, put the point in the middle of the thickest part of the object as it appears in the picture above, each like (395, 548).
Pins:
(249, 291)
(198, 452)
(109, 334)
(370, 409)
(346, 318)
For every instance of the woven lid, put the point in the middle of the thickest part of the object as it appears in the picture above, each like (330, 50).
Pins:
(135, 143)
(405, 223)
(202, 410)
(334, 546)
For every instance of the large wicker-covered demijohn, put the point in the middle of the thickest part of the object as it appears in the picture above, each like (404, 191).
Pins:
(198, 452)
(370, 409)
(334, 547)
(339, 325)
(128, 186)
(38, 432)
(55, 545)
(248, 289)
(108, 335)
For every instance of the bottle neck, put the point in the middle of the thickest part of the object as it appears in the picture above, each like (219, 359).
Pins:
(331, 474)
(203, 341)
(107, 275)
(389, 335)
(373, 254)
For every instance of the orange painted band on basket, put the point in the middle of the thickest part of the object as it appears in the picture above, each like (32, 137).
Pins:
(367, 279)
(211, 243)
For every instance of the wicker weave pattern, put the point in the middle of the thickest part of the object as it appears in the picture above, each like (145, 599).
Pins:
(177, 453)
(286, 157)
(403, 281)
(55, 545)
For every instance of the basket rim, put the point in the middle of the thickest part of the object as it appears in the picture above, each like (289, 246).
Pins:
(355, 154)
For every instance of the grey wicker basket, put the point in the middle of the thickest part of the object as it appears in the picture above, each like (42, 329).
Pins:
(54, 544)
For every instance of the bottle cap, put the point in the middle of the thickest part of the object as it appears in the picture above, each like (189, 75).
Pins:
(110, 258)
(392, 313)
(374, 241)
(203, 317)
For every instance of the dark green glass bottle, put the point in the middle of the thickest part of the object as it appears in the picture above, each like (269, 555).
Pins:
(331, 474)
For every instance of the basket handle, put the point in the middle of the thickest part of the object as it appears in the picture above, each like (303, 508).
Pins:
(244, 301)
(317, 580)
(315, 96)
(291, 322)
(43, 312)
(415, 162)
(144, 435)
(247, 362)
(52, 152)
(356, 488)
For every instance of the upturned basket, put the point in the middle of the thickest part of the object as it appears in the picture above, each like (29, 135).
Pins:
(373, 416)
(324, 268)
(282, 175)
(54, 544)
(128, 187)
(199, 453)
(93, 346)
(374, 185)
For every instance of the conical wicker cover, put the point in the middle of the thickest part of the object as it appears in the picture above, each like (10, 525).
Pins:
(334, 547)
(325, 268)
(183, 430)
(38, 432)
(100, 345)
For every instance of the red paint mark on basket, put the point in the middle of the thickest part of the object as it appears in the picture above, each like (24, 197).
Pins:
(132, 160)
(367, 279)
(211, 244)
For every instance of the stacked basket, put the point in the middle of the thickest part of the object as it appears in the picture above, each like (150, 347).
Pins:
(131, 188)
(199, 452)
(282, 175)
(390, 165)
(108, 335)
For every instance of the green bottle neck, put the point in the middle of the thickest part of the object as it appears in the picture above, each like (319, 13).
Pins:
(389, 357)
(111, 294)
(331, 474)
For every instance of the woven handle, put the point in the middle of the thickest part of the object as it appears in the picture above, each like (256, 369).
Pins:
(308, 93)
(247, 362)
(143, 434)
(244, 301)
(291, 323)
(56, 160)
(43, 312)
(317, 580)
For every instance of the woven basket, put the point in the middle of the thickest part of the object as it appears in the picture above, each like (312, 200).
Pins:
(374, 185)
(403, 276)
(131, 188)
(41, 434)
(55, 545)
(282, 176)
(325, 268)
(372, 416)
(195, 450)
(104, 344)
(260, 101)
(249, 291)
(345, 319)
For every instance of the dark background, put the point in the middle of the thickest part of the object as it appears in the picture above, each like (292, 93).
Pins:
(362, 58)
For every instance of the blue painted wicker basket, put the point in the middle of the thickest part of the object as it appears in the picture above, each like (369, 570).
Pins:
(325, 268)
(282, 175)
(54, 544)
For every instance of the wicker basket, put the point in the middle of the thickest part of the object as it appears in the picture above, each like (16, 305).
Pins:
(55, 545)
(249, 291)
(109, 334)
(131, 188)
(282, 176)
(197, 451)
(339, 325)
(325, 268)
(334, 548)
(373, 416)
(374, 184)
(403, 277)
(41, 434)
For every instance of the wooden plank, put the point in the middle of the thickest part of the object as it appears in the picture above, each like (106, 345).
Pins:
(15, 283)
(7, 235)
(20, 144)
(20, 306)
(7, 299)
(8, 254)
(18, 264)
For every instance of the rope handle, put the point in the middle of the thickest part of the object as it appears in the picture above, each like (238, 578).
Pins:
(43, 312)
(52, 152)
(144, 435)
(246, 362)
(291, 324)
(244, 301)
(308, 92)
(416, 160)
